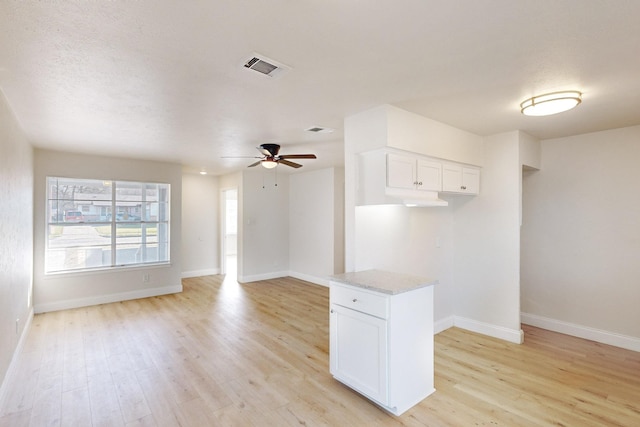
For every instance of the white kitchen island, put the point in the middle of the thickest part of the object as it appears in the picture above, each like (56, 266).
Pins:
(381, 336)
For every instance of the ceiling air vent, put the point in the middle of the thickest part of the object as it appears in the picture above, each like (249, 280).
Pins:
(265, 66)
(319, 129)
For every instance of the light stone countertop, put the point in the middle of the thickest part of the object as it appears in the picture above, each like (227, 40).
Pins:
(383, 281)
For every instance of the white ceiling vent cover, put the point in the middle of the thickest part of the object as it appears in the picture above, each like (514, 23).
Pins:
(319, 129)
(265, 66)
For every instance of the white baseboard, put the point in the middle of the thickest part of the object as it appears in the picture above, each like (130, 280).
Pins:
(264, 276)
(593, 334)
(323, 281)
(442, 324)
(512, 335)
(200, 273)
(13, 365)
(105, 299)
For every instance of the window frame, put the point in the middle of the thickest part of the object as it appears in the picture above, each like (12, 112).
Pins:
(111, 213)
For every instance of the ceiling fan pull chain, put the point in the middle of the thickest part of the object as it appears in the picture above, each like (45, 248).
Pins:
(276, 177)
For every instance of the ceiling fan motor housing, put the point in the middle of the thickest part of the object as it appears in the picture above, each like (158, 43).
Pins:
(273, 149)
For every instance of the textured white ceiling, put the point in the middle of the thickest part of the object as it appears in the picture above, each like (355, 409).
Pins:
(162, 79)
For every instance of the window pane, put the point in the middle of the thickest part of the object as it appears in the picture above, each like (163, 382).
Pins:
(72, 247)
(82, 212)
(128, 238)
(155, 211)
(128, 201)
(140, 243)
(78, 200)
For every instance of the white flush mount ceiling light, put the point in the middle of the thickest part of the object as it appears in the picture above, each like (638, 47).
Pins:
(269, 163)
(551, 103)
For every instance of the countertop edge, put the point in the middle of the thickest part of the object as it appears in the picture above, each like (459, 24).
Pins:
(381, 281)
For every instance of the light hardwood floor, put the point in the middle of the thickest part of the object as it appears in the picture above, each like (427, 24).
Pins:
(221, 353)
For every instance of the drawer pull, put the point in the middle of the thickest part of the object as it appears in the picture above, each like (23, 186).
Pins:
(355, 299)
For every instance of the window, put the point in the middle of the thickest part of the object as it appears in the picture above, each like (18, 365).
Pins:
(100, 224)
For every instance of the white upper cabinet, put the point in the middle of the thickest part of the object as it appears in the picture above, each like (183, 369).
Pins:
(389, 176)
(413, 173)
(460, 179)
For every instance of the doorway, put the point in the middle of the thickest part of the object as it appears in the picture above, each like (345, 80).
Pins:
(230, 233)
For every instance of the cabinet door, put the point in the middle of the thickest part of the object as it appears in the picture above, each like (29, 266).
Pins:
(470, 181)
(358, 352)
(428, 175)
(401, 171)
(460, 179)
(451, 178)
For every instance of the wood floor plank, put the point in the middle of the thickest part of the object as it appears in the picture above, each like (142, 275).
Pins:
(159, 398)
(104, 402)
(16, 419)
(22, 395)
(133, 403)
(223, 353)
(76, 408)
(47, 406)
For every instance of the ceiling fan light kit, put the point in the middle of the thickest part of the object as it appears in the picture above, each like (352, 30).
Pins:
(551, 103)
(268, 163)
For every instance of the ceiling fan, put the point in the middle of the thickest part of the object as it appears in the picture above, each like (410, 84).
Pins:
(270, 157)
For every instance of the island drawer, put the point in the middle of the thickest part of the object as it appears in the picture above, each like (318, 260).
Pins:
(361, 300)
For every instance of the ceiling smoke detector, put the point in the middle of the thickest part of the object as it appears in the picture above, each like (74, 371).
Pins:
(265, 66)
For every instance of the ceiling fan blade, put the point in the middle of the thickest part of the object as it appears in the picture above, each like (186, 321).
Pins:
(255, 164)
(298, 156)
(240, 157)
(288, 163)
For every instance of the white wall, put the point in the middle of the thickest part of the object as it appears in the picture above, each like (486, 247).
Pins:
(16, 235)
(417, 241)
(399, 238)
(478, 261)
(67, 290)
(200, 225)
(264, 233)
(316, 238)
(581, 237)
(389, 126)
(487, 244)
(419, 134)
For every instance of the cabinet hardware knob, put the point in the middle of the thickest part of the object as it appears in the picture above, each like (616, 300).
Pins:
(420, 183)
(332, 310)
(463, 187)
(355, 300)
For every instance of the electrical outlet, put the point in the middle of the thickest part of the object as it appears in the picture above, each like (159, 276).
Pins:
(145, 278)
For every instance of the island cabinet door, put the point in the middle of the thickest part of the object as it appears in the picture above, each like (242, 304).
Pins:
(358, 352)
